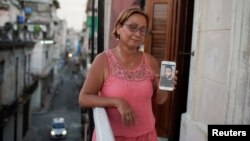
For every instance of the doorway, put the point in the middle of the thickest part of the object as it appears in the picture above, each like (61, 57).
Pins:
(170, 39)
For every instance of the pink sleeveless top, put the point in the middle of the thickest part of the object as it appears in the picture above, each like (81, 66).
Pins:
(134, 86)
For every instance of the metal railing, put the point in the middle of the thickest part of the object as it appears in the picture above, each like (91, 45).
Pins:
(102, 125)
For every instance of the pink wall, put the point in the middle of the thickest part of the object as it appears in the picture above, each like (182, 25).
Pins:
(117, 7)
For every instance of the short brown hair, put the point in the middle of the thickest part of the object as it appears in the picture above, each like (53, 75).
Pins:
(125, 14)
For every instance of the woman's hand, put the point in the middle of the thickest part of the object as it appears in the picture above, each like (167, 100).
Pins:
(126, 112)
(175, 78)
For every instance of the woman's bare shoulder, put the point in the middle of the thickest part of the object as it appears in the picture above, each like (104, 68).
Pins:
(150, 59)
(152, 62)
(100, 59)
(100, 66)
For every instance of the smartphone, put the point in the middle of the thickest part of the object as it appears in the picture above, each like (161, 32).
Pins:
(166, 75)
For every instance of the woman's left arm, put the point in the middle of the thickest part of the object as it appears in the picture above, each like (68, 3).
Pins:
(160, 96)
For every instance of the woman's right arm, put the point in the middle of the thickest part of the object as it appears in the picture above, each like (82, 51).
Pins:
(88, 96)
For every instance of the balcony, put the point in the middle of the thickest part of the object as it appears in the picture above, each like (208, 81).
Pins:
(15, 36)
(4, 6)
(9, 44)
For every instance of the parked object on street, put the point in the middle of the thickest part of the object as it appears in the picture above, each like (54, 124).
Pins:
(58, 130)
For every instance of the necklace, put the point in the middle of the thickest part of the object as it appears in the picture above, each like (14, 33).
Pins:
(124, 60)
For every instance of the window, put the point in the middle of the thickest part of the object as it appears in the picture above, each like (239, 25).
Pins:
(1, 71)
(47, 54)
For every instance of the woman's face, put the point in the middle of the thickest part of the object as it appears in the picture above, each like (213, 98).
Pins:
(133, 31)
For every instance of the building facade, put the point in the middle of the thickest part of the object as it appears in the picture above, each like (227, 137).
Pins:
(219, 85)
(17, 84)
(27, 56)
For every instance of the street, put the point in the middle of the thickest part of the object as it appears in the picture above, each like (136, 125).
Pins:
(64, 103)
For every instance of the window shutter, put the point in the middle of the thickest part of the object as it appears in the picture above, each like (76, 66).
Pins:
(158, 42)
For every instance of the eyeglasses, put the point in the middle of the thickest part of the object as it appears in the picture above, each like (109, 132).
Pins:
(134, 28)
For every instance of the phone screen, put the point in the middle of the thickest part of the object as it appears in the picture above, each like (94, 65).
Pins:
(166, 75)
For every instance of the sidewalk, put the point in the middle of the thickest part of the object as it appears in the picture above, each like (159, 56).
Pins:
(58, 80)
(46, 107)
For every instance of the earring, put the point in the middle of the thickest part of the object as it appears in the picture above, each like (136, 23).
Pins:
(118, 37)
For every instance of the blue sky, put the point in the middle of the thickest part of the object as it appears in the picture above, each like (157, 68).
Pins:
(73, 11)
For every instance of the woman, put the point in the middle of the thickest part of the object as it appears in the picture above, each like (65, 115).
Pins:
(123, 80)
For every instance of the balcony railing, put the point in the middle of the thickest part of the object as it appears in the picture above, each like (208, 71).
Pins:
(7, 45)
(102, 125)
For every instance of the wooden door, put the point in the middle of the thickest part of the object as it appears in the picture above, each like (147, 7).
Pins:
(158, 44)
(170, 39)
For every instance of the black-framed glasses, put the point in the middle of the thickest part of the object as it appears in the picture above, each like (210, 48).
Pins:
(134, 28)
